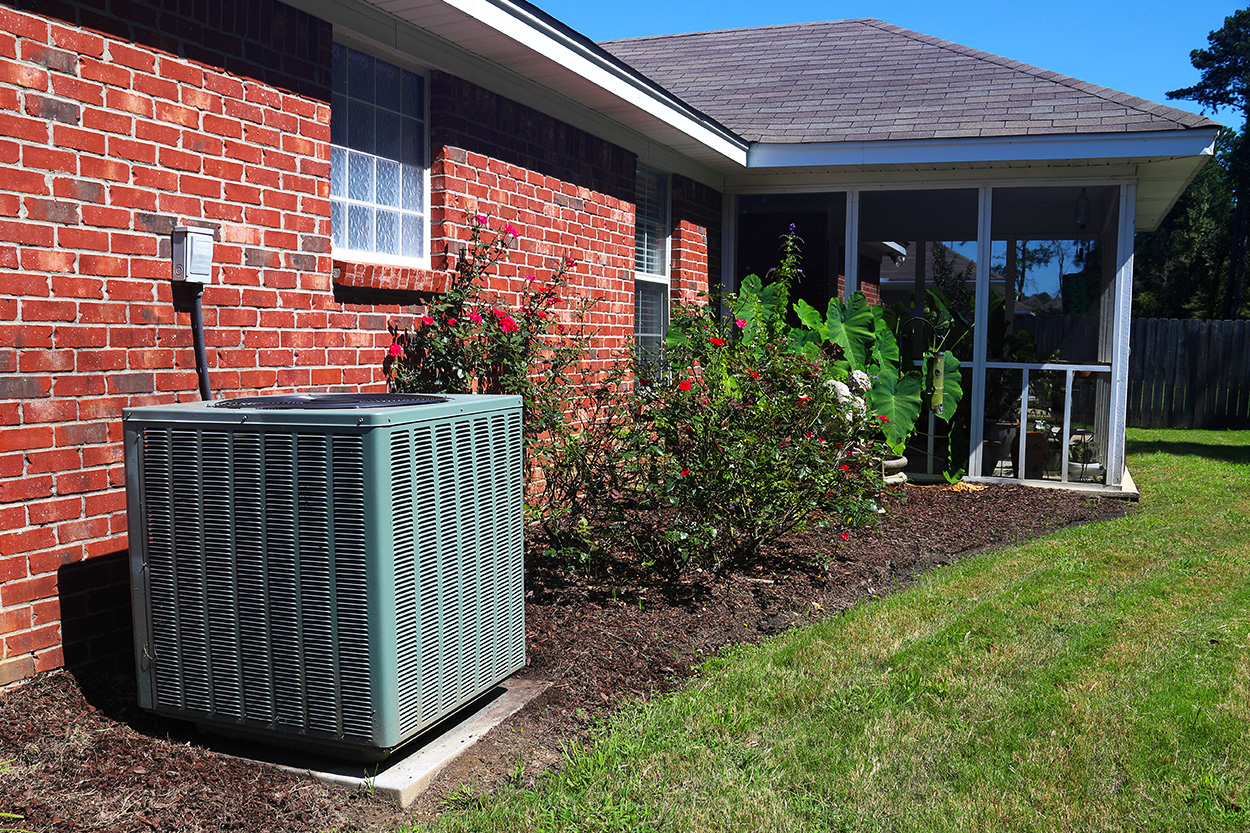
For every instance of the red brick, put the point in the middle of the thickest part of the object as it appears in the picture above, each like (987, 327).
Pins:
(11, 517)
(43, 260)
(26, 335)
(181, 160)
(110, 74)
(71, 338)
(81, 530)
(107, 546)
(30, 641)
(12, 670)
(86, 140)
(49, 410)
(88, 92)
(108, 121)
(223, 126)
(129, 290)
(100, 360)
(181, 72)
(98, 215)
(12, 567)
(111, 312)
(76, 40)
(81, 481)
(78, 189)
(48, 159)
(80, 238)
(201, 143)
(26, 488)
(51, 511)
(102, 455)
(131, 57)
(11, 464)
(161, 134)
(27, 540)
(23, 76)
(22, 25)
(177, 114)
(201, 100)
(203, 186)
(40, 310)
(109, 169)
(133, 244)
(20, 231)
(43, 462)
(105, 503)
(156, 178)
(47, 361)
(223, 84)
(179, 204)
(48, 610)
(14, 620)
(30, 130)
(129, 149)
(153, 85)
(55, 211)
(109, 408)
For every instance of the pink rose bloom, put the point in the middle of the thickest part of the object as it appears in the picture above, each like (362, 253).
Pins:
(542, 314)
(741, 322)
(394, 350)
(684, 384)
(451, 321)
(508, 229)
(475, 318)
(508, 325)
(426, 320)
(717, 342)
(481, 218)
(499, 313)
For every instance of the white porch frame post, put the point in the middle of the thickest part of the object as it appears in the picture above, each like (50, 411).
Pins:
(851, 266)
(980, 326)
(1122, 329)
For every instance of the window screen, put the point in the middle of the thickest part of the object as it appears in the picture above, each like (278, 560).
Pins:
(651, 223)
(377, 156)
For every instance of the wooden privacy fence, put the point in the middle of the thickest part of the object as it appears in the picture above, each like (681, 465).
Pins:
(1182, 373)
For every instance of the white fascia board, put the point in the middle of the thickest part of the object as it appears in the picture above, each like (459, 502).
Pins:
(593, 64)
(1164, 143)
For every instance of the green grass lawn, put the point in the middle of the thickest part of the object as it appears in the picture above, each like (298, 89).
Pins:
(1095, 679)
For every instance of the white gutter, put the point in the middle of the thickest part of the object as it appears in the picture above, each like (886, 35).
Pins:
(1045, 148)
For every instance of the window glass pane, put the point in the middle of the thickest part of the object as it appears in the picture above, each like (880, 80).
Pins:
(387, 232)
(360, 228)
(338, 223)
(412, 101)
(388, 85)
(650, 317)
(651, 222)
(387, 183)
(388, 137)
(338, 171)
(338, 120)
(360, 177)
(360, 72)
(339, 65)
(413, 188)
(412, 242)
(360, 126)
(413, 143)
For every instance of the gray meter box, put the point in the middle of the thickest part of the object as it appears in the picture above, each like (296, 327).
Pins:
(193, 254)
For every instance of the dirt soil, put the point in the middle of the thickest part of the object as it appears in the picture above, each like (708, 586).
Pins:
(84, 757)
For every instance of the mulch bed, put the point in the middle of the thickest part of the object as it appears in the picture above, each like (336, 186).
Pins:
(85, 758)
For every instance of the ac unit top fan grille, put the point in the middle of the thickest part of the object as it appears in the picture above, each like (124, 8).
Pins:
(322, 401)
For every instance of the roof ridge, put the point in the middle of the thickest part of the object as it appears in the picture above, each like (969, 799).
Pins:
(740, 29)
(1137, 103)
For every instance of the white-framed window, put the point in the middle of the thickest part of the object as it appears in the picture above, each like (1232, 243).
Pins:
(651, 260)
(379, 180)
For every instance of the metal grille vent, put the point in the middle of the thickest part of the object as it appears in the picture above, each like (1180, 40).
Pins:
(257, 576)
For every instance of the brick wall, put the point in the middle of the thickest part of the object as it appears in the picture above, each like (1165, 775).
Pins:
(119, 120)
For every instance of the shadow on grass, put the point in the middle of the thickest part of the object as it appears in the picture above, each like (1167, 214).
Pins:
(1213, 450)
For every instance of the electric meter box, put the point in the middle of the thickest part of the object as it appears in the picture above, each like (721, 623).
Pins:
(193, 254)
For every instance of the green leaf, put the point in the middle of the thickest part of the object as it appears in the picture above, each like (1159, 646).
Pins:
(676, 338)
(884, 344)
(850, 326)
(811, 318)
(898, 400)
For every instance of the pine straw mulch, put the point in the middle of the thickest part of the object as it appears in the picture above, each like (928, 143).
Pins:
(85, 758)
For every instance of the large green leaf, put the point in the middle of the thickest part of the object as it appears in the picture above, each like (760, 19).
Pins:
(811, 318)
(850, 326)
(897, 399)
(884, 344)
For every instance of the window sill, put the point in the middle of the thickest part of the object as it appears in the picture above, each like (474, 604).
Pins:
(387, 277)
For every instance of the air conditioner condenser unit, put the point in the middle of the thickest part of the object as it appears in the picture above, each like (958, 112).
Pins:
(332, 571)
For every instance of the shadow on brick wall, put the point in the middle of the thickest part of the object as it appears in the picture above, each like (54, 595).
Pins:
(96, 632)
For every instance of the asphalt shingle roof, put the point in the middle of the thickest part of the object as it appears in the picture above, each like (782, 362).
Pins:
(864, 80)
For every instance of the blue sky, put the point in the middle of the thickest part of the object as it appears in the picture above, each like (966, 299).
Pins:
(1136, 47)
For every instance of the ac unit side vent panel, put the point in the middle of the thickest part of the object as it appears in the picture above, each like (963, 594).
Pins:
(347, 585)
